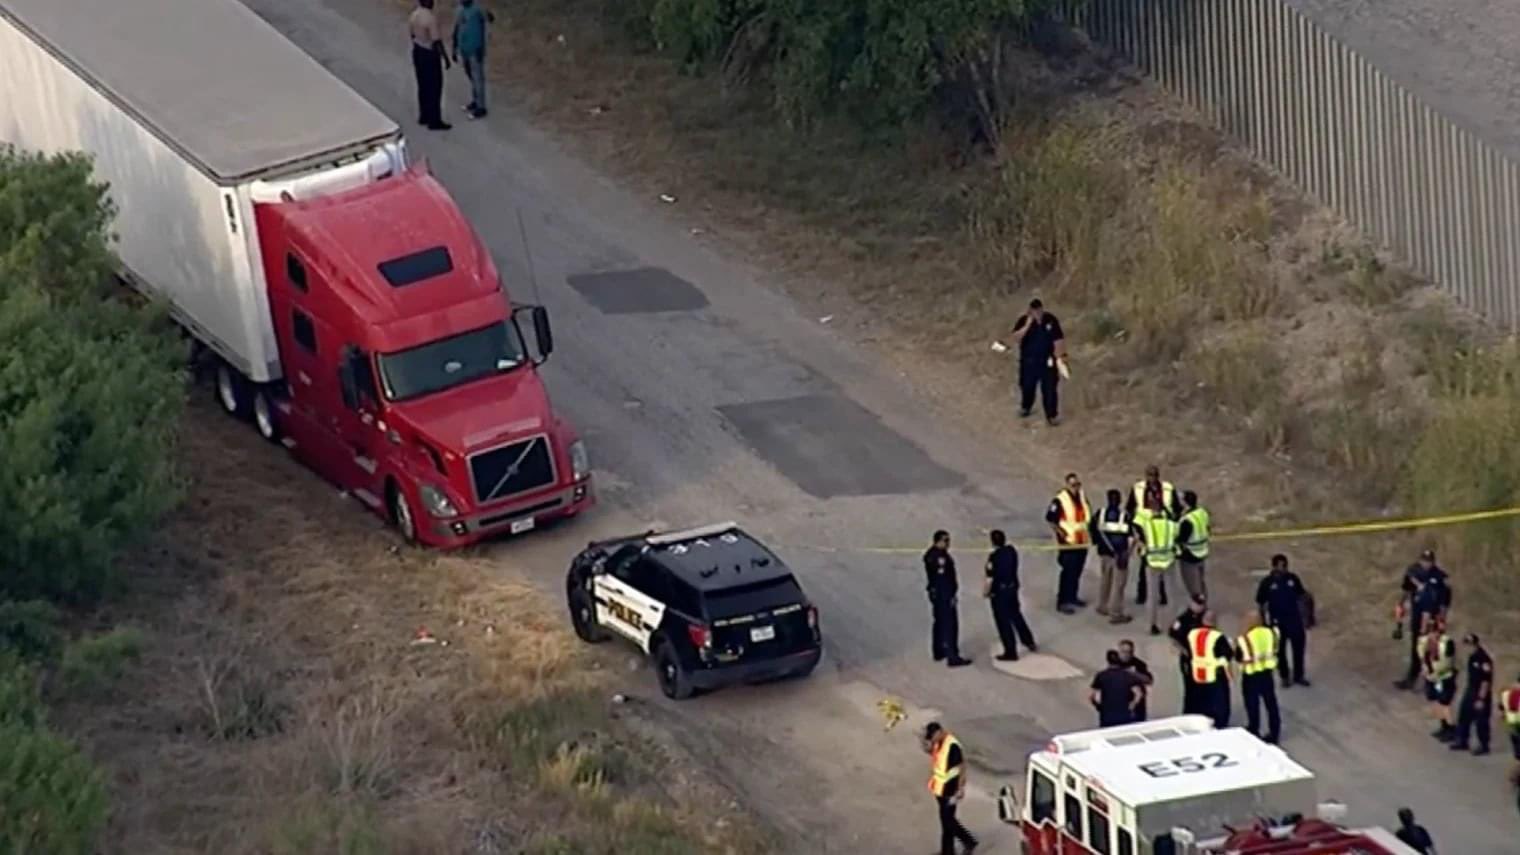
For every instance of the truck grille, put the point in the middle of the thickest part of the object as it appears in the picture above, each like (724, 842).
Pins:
(512, 469)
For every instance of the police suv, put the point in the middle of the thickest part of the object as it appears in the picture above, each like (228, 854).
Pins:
(711, 606)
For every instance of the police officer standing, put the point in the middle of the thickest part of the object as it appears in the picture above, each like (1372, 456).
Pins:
(1209, 656)
(1280, 598)
(1070, 518)
(1477, 698)
(1190, 619)
(1193, 539)
(1426, 592)
(1257, 648)
(939, 572)
(1002, 589)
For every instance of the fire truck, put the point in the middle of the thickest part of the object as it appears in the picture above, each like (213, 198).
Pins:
(1177, 786)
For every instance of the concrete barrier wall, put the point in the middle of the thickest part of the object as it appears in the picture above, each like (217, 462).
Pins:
(1447, 202)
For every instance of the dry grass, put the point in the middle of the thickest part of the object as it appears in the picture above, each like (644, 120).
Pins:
(280, 706)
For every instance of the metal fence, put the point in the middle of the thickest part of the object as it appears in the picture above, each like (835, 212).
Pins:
(1444, 200)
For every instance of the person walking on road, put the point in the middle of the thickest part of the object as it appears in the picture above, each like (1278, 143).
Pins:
(1157, 543)
(1137, 666)
(1477, 710)
(1426, 590)
(1414, 835)
(1070, 517)
(1438, 658)
(1193, 540)
(1210, 654)
(1509, 707)
(1111, 533)
(428, 63)
(1190, 619)
(1258, 648)
(470, 51)
(1280, 599)
(947, 783)
(1001, 588)
(943, 588)
(1151, 496)
(1042, 356)
(1117, 693)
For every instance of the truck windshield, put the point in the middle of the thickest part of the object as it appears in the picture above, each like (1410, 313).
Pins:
(450, 362)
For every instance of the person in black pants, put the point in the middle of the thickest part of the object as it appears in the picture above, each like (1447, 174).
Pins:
(1042, 348)
(947, 781)
(1280, 598)
(1193, 701)
(939, 573)
(428, 62)
(1002, 589)
(1136, 665)
(1427, 593)
(1477, 710)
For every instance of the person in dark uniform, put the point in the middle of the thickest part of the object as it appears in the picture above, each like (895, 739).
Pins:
(939, 573)
(1477, 710)
(1001, 588)
(1117, 693)
(1190, 619)
(1426, 591)
(1128, 659)
(1280, 598)
(1414, 835)
(1042, 349)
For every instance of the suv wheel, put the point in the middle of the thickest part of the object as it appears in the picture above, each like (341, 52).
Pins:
(583, 616)
(673, 680)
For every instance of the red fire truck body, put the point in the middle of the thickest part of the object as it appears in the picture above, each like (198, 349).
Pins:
(1177, 786)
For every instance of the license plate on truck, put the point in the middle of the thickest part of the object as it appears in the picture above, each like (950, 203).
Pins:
(522, 525)
(762, 633)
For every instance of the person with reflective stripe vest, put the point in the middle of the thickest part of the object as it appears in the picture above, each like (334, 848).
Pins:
(1070, 518)
(947, 783)
(1157, 543)
(1210, 653)
(1149, 496)
(1509, 705)
(1257, 648)
(1193, 535)
(1112, 531)
(1438, 661)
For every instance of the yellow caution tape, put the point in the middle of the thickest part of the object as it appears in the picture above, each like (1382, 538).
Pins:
(1365, 527)
(892, 711)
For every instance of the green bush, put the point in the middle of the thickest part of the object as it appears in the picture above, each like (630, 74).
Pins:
(94, 663)
(29, 628)
(51, 799)
(91, 388)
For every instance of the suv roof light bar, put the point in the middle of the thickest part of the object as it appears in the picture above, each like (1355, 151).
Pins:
(690, 534)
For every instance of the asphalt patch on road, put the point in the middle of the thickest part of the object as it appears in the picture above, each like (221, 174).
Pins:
(641, 291)
(831, 446)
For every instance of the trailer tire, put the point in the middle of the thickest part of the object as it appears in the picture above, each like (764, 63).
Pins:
(266, 415)
(402, 515)
(231, 390)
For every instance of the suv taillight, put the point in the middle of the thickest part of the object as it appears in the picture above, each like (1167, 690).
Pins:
(700, 636)
(812, 617)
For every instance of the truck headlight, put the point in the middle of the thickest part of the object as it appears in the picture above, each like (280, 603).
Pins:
(437, 502)
(580, 461)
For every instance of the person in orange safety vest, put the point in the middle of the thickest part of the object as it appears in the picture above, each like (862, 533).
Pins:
(947, 783)
(1070, 517)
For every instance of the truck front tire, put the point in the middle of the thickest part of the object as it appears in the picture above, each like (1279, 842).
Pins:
(231, 390)
(265, 415)
(402, 514)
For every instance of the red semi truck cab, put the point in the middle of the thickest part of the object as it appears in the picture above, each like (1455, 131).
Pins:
(410, 380)
(1177, 786)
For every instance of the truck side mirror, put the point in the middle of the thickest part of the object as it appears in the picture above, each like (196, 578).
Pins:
(543, 332)
(1008, 804)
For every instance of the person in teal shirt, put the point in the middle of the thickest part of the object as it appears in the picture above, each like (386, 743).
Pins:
(470, 51)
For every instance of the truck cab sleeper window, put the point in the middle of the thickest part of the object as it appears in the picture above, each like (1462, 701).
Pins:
(418, 266)
(303, 331)
(295, 271)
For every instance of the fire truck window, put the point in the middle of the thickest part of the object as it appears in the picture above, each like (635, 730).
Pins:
(304, 333)
(1074, 816)
(1126, 843)
(1097, 831)
(1042, 798)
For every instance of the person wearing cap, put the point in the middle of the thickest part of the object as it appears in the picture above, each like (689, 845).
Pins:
(1150, 496)
(1070, 519)
(1477, 697)
(1042, 354)
(1426, 590)
(944, 589)
(947, 783)
(1438, 659)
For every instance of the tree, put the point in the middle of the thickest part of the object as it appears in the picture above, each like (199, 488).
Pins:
(51, 797)
(91, 387)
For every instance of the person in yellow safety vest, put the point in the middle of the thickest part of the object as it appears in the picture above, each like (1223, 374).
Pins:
(1438, 658)
(1209, 656)
(1258, 648)
(1147, 497)
(1157, 544)
(1509, 705)
(1070, 518)
(947, 783)
(1193, 535)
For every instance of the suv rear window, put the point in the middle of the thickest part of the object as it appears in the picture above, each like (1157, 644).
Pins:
(742, 600)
